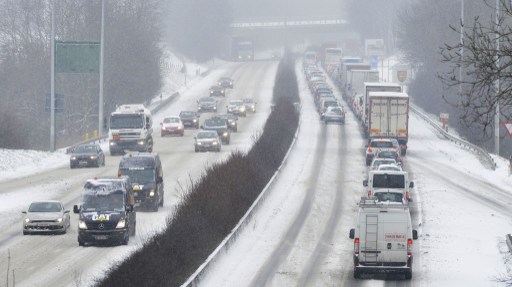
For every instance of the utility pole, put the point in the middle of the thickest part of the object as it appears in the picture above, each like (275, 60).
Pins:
(52, 79)
(461, 45)
(100, 104)
(497, 83)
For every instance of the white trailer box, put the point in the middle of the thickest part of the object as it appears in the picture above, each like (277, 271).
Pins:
(388, 116)
(383, 239)
(355, 88)
(376, 87)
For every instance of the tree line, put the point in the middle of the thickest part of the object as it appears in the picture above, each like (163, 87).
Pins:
(135, 33)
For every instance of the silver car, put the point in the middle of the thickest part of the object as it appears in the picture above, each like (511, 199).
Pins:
(207, 141)
(47, 216)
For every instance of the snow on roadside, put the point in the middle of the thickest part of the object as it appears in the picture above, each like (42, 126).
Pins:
(20, 163)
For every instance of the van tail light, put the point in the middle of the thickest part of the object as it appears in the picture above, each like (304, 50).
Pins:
(119, 173)
(369, 149)
(407, 196)
(369, 193)
(409, 247)
(356, 246)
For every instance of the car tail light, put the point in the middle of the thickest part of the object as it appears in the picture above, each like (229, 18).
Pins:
(369, 193)
(409, 247)
(119, 174)
(407, 196)
(356, 246)
(370, 149)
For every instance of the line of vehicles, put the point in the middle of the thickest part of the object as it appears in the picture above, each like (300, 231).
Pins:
(108, 205)
(383, 235)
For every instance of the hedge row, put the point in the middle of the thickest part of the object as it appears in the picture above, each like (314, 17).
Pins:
(216, 202)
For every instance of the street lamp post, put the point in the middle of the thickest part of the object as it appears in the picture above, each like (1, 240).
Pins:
(100, 112)
(497, 83)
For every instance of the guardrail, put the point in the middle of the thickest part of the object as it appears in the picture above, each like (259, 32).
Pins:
(153, 110)
(480, 151)
(194, 279)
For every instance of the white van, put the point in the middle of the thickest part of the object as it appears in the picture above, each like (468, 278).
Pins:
(389, 185)
(383, 238)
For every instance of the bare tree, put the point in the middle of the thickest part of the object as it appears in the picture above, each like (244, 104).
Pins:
(483, 65)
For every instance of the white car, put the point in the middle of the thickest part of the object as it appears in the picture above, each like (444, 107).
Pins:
(172, 126)
(236, 107)
(378, 161)
(47, 216)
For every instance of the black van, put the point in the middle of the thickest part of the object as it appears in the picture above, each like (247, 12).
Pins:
(146, 176)
(106, 211)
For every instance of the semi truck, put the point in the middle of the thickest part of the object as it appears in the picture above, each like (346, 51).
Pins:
(130, 128)
(388, 117)
(375, 87)
(332, 57)
(355, 88)
(242, 50)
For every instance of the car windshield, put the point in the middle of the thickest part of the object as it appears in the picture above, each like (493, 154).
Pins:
(85, 149)
(336, 111)
(381, 144)
(45, 207)
(215, 122)
(236, 103)
(388, 154)
(389, 196)
(103, 202)
(205, 135)
(248, 101)
(389, 167)
(140, 176)
(171, 120)
(128, 121)
(187, 114)
(207, 100)
(388, 181)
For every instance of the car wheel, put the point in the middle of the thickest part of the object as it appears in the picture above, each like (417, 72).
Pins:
(24, 232)
(154, 208)
(98, 164)
(125, 240)
(196, 149)
(227, 142)
(103, 161)
(71, 166)
(235, 130)
(162, 199)
(162, 135)
(133, 230)
(408, 275)
(357, 275)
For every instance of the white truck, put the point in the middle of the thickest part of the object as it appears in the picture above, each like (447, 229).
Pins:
(387, 185)
(383, 238)
(375, 87)
(388, 117)
(130, 128)
(355, 88)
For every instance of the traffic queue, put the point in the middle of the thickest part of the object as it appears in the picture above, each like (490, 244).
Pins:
(383, 235)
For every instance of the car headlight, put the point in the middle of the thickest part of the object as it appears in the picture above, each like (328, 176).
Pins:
(141, 142)
(233, 123)
(82, 225)
(225, 134)
(194, 120)
(198, 143)
(242, 109)
(121, 223)
(27, 220)
(73, 158)
(93, 157)
(59, 219)
(211, 92)
(215, 143)
(222, 92)
(152, 193)
(112, 143)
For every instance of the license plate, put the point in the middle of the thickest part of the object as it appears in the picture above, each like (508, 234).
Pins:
(83, 162)
(100, 237)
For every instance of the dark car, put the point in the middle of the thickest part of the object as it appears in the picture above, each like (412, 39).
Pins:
(190, 119)
(146, 178)
(206, 104)
(217, 91)
(232, 121)
(220, 126)
(106, 213)
(87, 155)
(225, 82)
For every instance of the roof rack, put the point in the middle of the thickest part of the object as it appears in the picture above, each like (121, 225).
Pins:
(372, 202)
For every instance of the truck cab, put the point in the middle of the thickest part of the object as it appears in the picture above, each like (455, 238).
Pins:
(106, 213)
(146, 178)
(130, 129)
(383, 239)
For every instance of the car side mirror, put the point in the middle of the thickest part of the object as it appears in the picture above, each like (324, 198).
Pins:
(160, 179)
(76, 209)
(201, 126)
(66, 211)
(161, 124)
(411, 184)
(352, 233)
(414, 234)
(24, 212)
(195, 138)
(365, 182)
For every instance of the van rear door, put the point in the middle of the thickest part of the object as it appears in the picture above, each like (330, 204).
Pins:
(393, 239)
